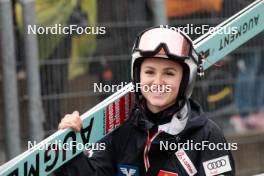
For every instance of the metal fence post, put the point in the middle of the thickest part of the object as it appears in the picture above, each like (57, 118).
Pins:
(35, 109)
(7, 44)
(159, 10)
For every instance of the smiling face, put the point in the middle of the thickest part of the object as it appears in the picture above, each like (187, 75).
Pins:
(161, 80)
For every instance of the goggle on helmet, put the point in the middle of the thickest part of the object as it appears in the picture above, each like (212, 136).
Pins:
(169, 43)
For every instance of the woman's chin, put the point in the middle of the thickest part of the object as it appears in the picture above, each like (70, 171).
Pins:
(158, 104)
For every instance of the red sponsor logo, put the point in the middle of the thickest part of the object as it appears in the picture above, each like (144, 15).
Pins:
(181, 155)
(115, 114)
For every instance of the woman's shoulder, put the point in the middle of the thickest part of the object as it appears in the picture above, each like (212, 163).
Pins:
(213, 131)
(212, 126)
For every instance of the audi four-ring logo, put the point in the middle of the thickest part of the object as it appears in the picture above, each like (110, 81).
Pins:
(216, 164)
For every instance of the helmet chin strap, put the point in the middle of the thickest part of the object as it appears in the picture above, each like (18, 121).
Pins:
(200, 69)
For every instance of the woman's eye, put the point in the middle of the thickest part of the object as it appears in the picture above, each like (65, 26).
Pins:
(170, 73)
(149, 72)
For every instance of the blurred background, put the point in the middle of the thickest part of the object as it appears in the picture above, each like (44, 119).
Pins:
(43, 77)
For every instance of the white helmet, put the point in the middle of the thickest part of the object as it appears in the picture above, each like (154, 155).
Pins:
(175, 45)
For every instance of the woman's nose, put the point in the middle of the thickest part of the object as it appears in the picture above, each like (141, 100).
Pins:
(158, 79)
